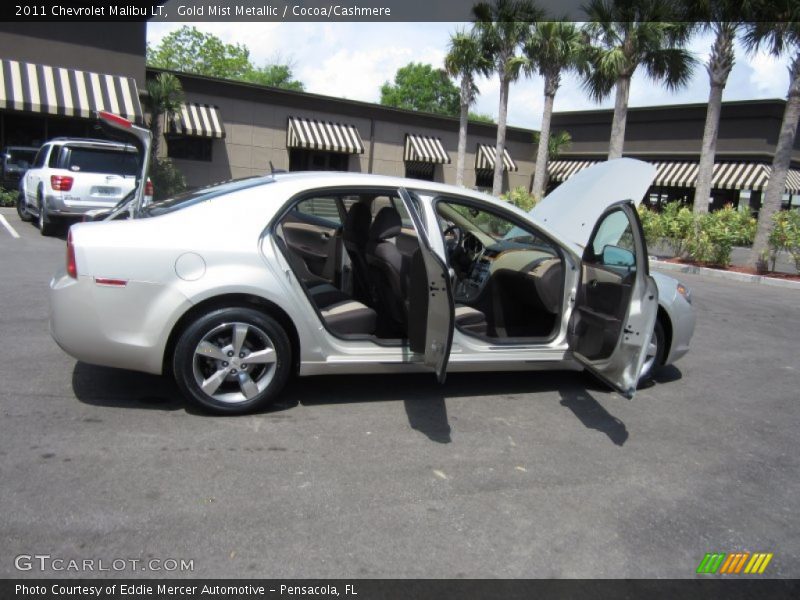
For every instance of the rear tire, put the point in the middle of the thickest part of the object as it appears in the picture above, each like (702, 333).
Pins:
(232, 361)
(22, 209)
(46, 225)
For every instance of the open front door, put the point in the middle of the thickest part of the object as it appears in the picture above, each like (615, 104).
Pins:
(431, 312)
(617, 301)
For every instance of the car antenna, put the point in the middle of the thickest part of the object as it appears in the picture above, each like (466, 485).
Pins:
(273, 170)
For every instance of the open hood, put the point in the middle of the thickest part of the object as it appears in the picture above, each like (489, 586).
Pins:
(573, 208)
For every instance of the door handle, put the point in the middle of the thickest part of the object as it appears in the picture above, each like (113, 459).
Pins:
(593, 283)
(325, 236)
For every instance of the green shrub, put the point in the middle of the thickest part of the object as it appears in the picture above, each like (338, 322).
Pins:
(716, 233)
(708, 239)
(652, 224)
(521, 198)
(8, 197)
(677, 226)
(785, 235)
(167, 179)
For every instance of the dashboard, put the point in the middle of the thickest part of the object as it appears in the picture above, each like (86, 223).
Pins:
(487, 260)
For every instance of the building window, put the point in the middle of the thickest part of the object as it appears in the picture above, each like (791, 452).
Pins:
(190, 148)
(417, 170)
(484, 179)
(316, 160)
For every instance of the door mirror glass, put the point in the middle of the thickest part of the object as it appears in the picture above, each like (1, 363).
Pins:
(614, 256)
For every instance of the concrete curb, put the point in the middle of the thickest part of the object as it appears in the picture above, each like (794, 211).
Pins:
(729, 275)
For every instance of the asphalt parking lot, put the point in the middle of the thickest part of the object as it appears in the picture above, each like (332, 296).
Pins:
(500, 475)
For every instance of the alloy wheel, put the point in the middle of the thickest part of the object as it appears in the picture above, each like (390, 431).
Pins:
(234, 362)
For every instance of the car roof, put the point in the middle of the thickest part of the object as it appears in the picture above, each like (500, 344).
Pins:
(345, 178)
(288, 185)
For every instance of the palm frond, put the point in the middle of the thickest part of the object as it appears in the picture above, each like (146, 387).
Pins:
(672, 66)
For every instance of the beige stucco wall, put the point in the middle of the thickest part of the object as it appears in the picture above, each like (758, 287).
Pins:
(256, 134)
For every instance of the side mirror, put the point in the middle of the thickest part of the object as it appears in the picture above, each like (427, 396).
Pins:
(614, 256)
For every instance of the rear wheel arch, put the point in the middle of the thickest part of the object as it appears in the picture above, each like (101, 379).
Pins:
(232, 301)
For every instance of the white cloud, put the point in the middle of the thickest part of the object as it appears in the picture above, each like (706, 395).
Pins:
(768, 74)
(354, 59)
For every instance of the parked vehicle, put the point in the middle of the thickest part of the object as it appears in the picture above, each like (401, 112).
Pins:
(71, 176)
(14, 161)
(234, 287)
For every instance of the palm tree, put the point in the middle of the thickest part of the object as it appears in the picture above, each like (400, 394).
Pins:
(552, 49)
(627, 34)
(556, 144)
(780, 39)
(503, 26)
(723, 18)
(164, 96)
(465, 59)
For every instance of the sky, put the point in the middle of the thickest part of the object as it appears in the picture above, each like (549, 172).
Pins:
(352, 60)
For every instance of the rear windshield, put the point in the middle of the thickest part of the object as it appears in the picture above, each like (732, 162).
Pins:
(20, 157)
(95, 160)
(204, 193)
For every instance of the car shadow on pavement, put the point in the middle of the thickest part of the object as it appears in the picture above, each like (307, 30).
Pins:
(424, 400)
(592, 414)
(118, 388)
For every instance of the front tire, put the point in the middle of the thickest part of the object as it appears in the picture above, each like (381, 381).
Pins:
(22, 210)
(232, 360)
(655, 353)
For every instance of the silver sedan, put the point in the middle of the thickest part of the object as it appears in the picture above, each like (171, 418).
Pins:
(235, 287)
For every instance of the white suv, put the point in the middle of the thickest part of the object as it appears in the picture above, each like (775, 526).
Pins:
(72, 176)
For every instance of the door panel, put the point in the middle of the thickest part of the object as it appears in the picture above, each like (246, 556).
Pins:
(312, 231)
(617, 301)
(431, 308)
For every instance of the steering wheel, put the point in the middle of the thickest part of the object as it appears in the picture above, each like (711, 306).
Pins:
(453, 237)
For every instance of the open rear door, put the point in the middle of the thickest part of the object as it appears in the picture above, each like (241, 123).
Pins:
(431, 312)
(617, 301)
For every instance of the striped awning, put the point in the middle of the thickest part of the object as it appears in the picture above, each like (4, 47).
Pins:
(676, 174)
(68, 92)
(202, 120)
(727, 175)
(425, 149)
(793, 181)
(323, 135)
(561, 170)
(485, 155)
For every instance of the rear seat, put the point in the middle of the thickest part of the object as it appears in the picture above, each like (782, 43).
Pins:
(349, 317)
(341, 313)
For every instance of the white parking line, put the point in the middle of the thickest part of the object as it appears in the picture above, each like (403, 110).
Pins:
(8, 226)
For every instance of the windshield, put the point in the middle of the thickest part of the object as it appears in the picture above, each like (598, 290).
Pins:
(475, 221)
(95, 160)
(202, 194)
(20, 157)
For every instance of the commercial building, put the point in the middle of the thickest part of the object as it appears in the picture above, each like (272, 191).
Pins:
(55, 76)
(671, 138)
(233, 129)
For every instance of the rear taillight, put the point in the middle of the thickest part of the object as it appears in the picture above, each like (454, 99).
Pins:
(61, 183)
(112, 118)
(72, 267)
(148, 188)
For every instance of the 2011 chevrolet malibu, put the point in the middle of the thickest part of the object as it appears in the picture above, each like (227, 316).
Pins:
(234, 287)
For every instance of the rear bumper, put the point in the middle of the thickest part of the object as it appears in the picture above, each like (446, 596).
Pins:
(124, 327)
(58, 207)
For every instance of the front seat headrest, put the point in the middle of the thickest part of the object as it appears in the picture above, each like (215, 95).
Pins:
(356, 224)
(387, 224)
